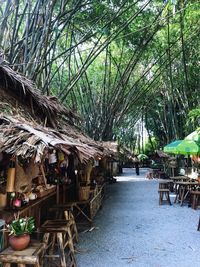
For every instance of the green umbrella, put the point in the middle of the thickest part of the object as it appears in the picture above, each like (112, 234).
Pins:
(183, 147)
(194, 136)
(172, 147)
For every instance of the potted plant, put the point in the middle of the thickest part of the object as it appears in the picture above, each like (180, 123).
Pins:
(20, 230)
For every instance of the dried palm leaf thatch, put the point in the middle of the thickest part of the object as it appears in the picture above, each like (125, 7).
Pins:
(110, 149)
(77, 134)
(23, 108)
(26, 92)
(9, 105)
(29, 141)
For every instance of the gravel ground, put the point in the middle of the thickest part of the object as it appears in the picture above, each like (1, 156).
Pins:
(133, 230)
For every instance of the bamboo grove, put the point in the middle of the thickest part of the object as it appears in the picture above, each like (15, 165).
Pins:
(113, 61)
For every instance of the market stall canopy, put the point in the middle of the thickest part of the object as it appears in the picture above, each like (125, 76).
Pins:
(171, 147)
(183, 147)
(30, 121)
(29, 141)
(110, 149)
(21, 90)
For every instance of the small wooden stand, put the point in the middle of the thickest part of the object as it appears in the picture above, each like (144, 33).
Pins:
(62, 209)
(32, 255)
(59, 230)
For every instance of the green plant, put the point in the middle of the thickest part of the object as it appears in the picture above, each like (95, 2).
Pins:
(21, 226)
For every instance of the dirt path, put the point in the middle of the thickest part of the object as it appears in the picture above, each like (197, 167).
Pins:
(133, 230)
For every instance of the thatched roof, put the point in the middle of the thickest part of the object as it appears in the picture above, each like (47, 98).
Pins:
(25, 114)
(111, 149)
(23, 90)
(27, 141)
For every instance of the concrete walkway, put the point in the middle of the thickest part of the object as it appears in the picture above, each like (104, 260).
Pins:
(133, 230)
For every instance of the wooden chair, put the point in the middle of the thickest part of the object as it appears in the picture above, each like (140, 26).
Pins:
(60, 231)
(30, 256)
(164, 193)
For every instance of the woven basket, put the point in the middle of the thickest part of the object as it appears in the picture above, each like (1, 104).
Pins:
(84, 192)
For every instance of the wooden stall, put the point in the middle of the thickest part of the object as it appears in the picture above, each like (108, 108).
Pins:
(110, 161)
(42, 153)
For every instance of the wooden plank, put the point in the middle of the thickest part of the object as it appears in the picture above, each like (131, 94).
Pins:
(26, 256)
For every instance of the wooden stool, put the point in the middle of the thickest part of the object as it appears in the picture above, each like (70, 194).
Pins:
(164, 193)
(163, 185)
(60, 231)
(61, 209)
(195, 197)
(31, 255)
(198, 228)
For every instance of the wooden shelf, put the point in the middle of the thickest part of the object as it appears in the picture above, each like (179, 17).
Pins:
(34, 209)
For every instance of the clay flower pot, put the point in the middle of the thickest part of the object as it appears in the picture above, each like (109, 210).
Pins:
(19, 242)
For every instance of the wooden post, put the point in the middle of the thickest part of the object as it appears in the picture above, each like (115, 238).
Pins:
(60, 243)
(43, 174)
(57, 194)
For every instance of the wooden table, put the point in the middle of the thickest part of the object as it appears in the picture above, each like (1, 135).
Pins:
(180, 178)
(184, 189)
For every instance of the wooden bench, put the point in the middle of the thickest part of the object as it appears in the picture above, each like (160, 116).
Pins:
(32, 255)
(194, 199)
(164, 193)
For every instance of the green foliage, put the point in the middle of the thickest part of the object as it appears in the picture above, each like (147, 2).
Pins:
(21, 226)
(193, 120)
(150, 147)
(115, 62)
(142, 157)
